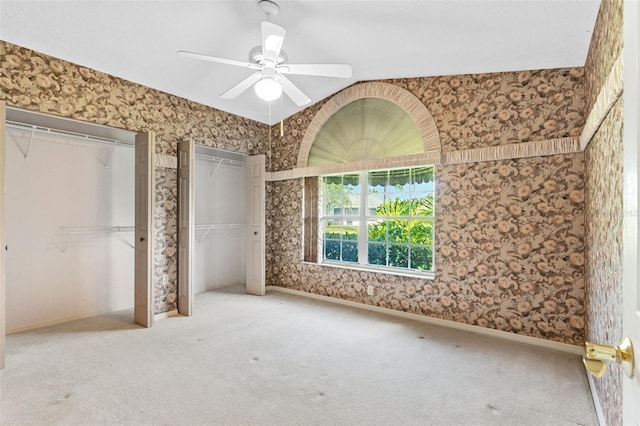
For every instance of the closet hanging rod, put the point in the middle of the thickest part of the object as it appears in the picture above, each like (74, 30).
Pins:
(65, 133)
(95, 229)
(67, 231)
(220, 226)
(213, 226)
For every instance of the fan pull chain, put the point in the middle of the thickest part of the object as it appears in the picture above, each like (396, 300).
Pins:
(281, 118)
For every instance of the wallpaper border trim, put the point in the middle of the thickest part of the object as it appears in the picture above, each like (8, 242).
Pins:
(387, 91)
(505, 335)
(166, 161)
(512, 151)
(493, 153)
(377, 163)
(609, 94)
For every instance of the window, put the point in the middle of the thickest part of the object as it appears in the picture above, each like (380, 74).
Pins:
(379, 219)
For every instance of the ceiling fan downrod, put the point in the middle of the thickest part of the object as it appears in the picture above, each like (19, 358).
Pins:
(269, 8)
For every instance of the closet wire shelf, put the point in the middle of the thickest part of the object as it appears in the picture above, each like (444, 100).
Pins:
(217, 161)
(67, 231)
(66, 134)
(216, 226)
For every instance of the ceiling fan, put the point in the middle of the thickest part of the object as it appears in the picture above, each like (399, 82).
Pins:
(270, 63)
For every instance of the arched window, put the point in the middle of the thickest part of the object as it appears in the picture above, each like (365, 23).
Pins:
(369, 121)
(370, 217)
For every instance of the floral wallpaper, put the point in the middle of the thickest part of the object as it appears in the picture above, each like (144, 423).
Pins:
(165, 259)
(604, 251)
(509, 250)
(603, 209)
(605, 47)
(509, 234)
(38, 82)
(478, 110)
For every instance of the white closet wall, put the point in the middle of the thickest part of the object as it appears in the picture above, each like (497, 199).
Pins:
(51, 275)
(219, 198)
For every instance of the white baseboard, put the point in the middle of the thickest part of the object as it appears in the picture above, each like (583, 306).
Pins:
(163, 315)
(56, 321)
(557, 346)
(596, 398)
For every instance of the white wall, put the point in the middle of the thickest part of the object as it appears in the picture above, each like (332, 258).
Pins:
(66, 184)
(219, 259)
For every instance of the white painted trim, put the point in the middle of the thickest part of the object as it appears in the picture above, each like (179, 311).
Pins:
(596, 399)
(547, 344)
(164, 315)
(376, 270)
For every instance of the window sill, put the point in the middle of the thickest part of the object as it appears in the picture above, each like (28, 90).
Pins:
(373, 269)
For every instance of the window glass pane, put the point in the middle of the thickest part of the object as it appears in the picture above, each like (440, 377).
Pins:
(421, 232)
(335, 198)
(331, 249)
(351, 211)
(350, 230)
(350, 251)
(422, 258)
(422, 204)
(340, 229)
(377, 230)
(336, 180)
(378, 180)
(398, 231)
(399, 255)
(377, 254)
(352, 181)
(332, 228)
(394, 206)
(374, 200)
(399, 180)
(422, 178)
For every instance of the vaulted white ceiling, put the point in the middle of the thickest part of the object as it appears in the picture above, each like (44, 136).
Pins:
(137, 40)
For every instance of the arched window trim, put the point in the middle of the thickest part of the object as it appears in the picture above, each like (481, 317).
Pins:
(399, 96)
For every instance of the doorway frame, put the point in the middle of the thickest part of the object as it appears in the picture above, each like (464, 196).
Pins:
(143, 289)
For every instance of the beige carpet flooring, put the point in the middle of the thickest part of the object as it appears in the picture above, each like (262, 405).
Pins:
(283, 360)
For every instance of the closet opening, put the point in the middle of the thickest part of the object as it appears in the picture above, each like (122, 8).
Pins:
(219, 201)
(72, 232)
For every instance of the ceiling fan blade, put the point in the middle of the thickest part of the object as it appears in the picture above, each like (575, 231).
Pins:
(292, 91)
(218, 60)
(242, 86)
(272, 39)
(323, 70)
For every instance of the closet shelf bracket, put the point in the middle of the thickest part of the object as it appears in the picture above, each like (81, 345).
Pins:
(209, 228)
(27, 149)
(215, 170)
(110, 156)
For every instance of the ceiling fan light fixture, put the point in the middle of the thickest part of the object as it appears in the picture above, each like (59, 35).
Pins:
(268, 89)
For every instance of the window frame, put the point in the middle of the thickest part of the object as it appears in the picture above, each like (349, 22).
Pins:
(364, 219)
